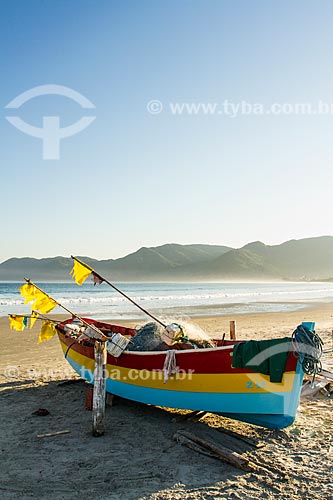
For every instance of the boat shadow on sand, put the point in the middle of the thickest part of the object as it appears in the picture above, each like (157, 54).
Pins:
(137, 457)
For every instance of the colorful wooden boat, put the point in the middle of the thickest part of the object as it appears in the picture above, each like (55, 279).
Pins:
(205, 381)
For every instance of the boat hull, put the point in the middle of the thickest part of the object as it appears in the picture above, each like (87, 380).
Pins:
(205, 381)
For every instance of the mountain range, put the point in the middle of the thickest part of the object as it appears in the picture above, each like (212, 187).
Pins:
(305, 259)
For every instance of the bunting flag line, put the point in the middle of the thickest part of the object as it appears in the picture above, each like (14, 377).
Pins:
(47, 331)
(44, 303)
(18, 323)
(40, 300)
(33, 318)
(80, 272)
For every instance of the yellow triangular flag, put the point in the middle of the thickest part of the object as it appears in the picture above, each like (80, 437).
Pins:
(43, 303)
(80, 272)
(33, 318)
(28, 291)
(17, 323)
(40, 300)
(47, 331)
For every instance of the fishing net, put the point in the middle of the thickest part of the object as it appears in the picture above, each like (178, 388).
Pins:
(196, 335)
(148, 338)
(151, 336)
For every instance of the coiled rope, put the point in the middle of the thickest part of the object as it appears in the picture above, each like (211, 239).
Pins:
(309, 348)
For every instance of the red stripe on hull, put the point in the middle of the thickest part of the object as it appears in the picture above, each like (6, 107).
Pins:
(207, 361)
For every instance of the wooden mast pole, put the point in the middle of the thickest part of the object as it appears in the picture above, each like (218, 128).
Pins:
(119, 291)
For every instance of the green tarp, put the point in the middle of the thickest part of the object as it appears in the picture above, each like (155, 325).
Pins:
(268, 357)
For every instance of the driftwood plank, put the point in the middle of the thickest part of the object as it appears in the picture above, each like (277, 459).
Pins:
(194, 446)
(50, 434)
(240, 437)
(326, 373)
(222, 453)
(308, 391)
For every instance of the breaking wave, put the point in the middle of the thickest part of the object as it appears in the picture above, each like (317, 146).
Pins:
(217, 298)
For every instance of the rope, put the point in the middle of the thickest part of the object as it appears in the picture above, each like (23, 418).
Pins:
(309, 347)
(170, 364)
(69, 347)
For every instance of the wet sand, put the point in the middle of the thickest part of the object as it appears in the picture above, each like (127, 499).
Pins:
(137, 458)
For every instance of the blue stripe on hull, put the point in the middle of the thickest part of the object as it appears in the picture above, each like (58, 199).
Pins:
(271, 410)
(270, 421)
(276, 421)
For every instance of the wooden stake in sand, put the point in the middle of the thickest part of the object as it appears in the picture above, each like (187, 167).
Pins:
(99, 389)
(233, 330)
(100, 367)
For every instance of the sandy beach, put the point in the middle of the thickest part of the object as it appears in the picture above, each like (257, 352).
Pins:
(138, 458)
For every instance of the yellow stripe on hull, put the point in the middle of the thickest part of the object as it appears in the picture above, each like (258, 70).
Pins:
(191, 382)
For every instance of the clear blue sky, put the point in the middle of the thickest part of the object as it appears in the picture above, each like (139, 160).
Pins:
(134, 179)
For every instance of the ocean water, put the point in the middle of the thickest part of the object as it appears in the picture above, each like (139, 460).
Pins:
(171, 299)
